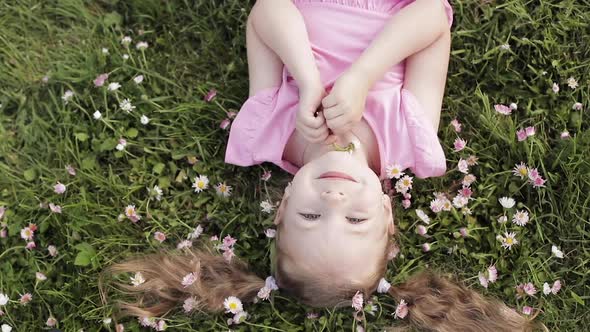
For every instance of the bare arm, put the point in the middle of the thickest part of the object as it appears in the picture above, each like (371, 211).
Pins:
(410, 30)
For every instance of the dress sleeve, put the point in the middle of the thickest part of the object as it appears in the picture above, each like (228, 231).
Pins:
(449, 11)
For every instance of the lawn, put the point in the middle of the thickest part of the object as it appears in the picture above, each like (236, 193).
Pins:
(55, 243)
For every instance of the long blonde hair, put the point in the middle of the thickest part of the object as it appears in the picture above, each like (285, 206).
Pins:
(435, 303)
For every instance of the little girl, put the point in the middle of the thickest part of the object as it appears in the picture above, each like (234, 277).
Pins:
(364, 76)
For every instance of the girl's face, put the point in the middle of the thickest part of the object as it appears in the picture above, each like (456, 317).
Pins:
(333, 226)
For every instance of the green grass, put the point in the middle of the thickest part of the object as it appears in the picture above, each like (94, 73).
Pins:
(196, 46)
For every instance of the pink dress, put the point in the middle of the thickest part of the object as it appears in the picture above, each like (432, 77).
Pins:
(339, 31)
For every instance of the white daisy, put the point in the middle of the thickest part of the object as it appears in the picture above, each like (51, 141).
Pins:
(141, 45)
(138, 79)
(201, 183)
(223, 190)
(507, 202)
(105, 51)
(383, 286)
(67, 96)
(572, 83)
(394, 171)
(126, 40)
(266, 206)
(423, 216)
(233, 304)
(144, 120)
(114, 86)
(508, 240)
(196, 233)
(556, 252)
(520, 218)
(137, 279)
(126, 105)
(97, 115)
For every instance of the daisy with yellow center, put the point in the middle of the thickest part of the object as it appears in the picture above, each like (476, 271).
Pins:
(521, 170)
(201, 183)
(508, 240)
(223, 190)
(394, 171)
(233, 304)
(407, 181)
(130, 210)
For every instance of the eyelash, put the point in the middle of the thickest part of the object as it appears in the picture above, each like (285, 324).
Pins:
(311, 216)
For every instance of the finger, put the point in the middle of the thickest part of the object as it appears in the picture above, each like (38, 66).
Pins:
(330, 139)
(343, 129)
(333, 112)
(313, 135)
(312, 121)
(329, 101)
(337, 122)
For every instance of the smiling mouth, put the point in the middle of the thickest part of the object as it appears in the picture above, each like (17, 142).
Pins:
(337, 176)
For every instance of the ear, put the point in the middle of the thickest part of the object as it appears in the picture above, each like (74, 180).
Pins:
(282, 206)
(388, 214)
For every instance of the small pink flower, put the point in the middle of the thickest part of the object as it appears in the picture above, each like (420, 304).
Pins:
(463, 166)
(483, 280)
(530, 131)
(210, 95)
(3, 233)
(463, 231)
(465, 192)
(52, 250)
(51, 322)
(228, 254)
(459, 144)
(224, 124)
(421, 230)
(264, 293)
(457, 125)
(231, 115)
(100, 79)
(27, 233)
(538, 182)
(266, 175)
(119, 328)
(357, 301)
(556, 287)
(426, 247)
(312, 315)
(513, 106)
(468, 180)
(25, 298)
(228, 242)
(184, 244)
(159, 236)
(71, 170)
(533, 173)
(54, 208)
(492, 273)
(527, 310)
(190, 279)
(31, 245)
(40, 276)
(393, 252)
(555, 88)
(521, 135)
(401, 311)
(59, 188)
(270, 233)
(565, 134)
(529, 289)
(406, 203)
(190, 304)
(214, 238)
(577, 106)
(503, 109)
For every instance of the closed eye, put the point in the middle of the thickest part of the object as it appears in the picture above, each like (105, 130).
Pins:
(355, 220)
(309, 216)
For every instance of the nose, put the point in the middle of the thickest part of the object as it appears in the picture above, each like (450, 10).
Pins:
(332, 196)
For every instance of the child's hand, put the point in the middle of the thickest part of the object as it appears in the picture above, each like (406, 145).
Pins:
(310, 122)
(345, 104)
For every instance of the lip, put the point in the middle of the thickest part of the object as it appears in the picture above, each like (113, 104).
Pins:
(337, 175)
